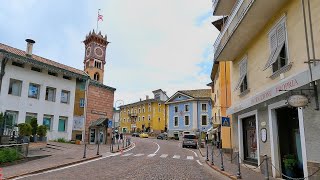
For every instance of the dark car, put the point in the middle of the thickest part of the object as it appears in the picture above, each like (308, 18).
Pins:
(190, 140)
(135, 134)
(162, 136)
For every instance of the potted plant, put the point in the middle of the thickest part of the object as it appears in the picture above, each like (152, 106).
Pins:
(42, 132)
(34, 125)
(25, 130)
(289, 162)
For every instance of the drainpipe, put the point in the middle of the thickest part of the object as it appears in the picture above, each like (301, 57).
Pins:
(85, 110)
(2, 70)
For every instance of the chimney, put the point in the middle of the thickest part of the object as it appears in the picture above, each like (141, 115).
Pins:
(147, 97)
(30, 43)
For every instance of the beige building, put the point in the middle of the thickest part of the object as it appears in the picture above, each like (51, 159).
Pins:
(268, 44)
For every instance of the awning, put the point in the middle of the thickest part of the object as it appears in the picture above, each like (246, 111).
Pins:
(212, 130)
(98, 122)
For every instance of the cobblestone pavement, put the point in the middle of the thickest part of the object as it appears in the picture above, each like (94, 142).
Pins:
(149, 159)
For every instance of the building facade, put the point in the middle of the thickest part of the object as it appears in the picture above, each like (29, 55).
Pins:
(270, 45)
(147, 115)
(33, 86)
(189, 111)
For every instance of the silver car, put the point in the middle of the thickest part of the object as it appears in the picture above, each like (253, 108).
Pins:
(190, 140)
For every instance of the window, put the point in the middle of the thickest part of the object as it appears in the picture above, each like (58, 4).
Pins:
(124, 120)
(82, 102)
(186, 107)
(139, 110)
(149, 109)
(186, 121)
(34, 91)
(176, 109)
(142, 118)
(66, 77)
(159, 119)
(97, 64)
(96, 76)
(47, 121)
(143, 110)
(135, 111)
(15, 87)
(29, 116)
(243, 80)
(159, 109)
(12, 119)
(65, 96)
(17, 64)
(176, 121)
(35, 69)
(159, 104)
(87, 64)
(50, 94)
(204, 120)
(62, 124)
(52, 73)
(128, 111)
(278, 57)
(149, 117)
(204, 107)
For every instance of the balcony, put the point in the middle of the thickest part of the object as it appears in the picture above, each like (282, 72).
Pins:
(222, 7)
(246, 20)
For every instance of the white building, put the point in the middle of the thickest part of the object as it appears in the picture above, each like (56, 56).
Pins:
(32, 86)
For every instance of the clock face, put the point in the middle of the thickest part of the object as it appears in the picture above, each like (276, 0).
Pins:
(88, 51)
(98, 51)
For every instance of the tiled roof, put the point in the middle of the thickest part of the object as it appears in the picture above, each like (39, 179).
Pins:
(40, 59)
(198, 93)
(142, 102)
(99, 84)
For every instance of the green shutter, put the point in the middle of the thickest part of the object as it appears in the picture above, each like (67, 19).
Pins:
(62, 125)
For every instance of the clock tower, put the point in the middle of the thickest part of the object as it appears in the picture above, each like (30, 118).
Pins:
(95, 54)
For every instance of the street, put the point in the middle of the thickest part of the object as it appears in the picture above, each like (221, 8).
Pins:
(149, 159)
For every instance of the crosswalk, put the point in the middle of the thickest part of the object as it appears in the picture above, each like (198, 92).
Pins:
(175, 156)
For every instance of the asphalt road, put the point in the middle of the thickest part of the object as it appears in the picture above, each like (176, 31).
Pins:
(149, 159)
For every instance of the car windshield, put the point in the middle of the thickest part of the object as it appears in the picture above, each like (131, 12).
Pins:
(189, 136)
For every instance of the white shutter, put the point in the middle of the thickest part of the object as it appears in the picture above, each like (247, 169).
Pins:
(281, 34)
(243, 72)
(273, 40)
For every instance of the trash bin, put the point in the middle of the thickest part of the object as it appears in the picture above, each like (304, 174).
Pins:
(78, 142)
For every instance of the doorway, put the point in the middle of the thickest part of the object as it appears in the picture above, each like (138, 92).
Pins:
(250, 140)
(92, 136)
(289, 140)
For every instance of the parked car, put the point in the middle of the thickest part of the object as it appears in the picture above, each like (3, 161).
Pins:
(190, 140)
(144, 135)
(135, 134)
(162, 136)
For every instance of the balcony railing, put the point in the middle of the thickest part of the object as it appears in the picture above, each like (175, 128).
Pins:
(237, 13)
(214, 4)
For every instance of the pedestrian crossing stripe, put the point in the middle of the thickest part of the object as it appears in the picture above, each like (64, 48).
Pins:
(128, 154)
(176, 157)
(190, 157)
(164, 155)
(151, 155)
(138, 155)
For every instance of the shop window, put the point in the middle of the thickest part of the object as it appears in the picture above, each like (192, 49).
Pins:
(15, 87)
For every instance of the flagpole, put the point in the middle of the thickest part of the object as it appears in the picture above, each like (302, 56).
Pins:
(97, 20)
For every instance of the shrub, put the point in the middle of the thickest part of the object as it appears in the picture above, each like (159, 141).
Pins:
(9, 155)
(34, 125)
(25, 129)
(42, 130)
(62, 140)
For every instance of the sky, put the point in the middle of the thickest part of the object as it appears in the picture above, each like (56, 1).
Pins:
(166, 44)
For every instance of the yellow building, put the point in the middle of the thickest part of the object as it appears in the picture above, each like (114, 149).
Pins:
(272, 46)
(147, 115)
(221, 96)
(78, 118)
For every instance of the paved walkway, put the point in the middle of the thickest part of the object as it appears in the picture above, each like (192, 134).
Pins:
(230, 165)
(59, 153)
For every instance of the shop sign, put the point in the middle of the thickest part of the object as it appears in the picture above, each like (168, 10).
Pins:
(99, 113)
(298, 100)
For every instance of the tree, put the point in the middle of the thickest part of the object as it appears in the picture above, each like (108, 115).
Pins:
(34, 125)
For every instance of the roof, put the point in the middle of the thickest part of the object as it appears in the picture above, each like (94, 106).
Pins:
(98, 122)
(142, 102)
(197, 93)
(99, 84)
(22, 54)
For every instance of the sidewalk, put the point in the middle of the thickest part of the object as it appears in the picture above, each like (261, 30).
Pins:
(230, 169)
(58, 154)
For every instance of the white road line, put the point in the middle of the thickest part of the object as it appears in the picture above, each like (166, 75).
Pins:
(137, 155)
(157, 149)
(128, 154)
(151, 155)
(190, 157)
(199, 162)
(164, 155)
(193, 152)
(176, 157)
(86, 162)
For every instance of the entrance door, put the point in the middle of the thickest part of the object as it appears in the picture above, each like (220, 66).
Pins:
(92, 136)
(101, 136)
(289, 142)
(250, 140)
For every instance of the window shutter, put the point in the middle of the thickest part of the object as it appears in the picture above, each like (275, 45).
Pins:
(281, 34)
(243, 71)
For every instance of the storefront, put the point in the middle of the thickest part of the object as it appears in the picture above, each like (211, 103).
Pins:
(99, 131)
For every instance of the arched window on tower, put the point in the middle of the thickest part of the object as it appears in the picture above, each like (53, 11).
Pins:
(96, 76)
(97, 64)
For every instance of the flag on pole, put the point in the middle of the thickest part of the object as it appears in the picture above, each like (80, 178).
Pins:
(100, 17)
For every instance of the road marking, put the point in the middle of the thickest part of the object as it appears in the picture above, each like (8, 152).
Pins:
(190, 157)
(157, 149)
(86, 162)
(176, 157)
(193, 152)
(199, 162)
(151, 155)
(164, 155)
(128, 154)
(137, 155)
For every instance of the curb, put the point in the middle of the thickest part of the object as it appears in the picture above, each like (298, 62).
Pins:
(54, 167)
(221, 172)
(201, 152)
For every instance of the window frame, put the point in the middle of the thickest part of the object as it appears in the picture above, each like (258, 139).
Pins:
(31, 115)
(186, 108)
(11, 81)
(68, 98)
(176, 109)
(174, 121)
(206, 109)
(185, 120)
(82, 102)
(204, 115)
(38, 91)
(51, 121)
(54, 94)
(65, 119)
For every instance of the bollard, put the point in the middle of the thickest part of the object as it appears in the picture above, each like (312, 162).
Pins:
(112, 146)
(212, 156)
(118, 143)
(85, 151)
(222, 167)
(98, 148)
(207, 153)
(267, 170)
(122, 143)
(239, 172)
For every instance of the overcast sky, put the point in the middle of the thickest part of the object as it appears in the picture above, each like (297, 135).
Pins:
(155, 44)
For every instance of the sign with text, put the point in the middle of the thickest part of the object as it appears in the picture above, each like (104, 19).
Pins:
(99, 112)
(298, 100)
